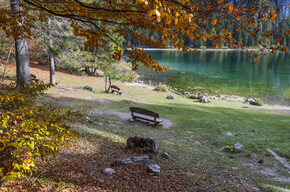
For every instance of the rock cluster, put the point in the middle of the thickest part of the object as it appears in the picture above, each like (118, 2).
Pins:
(141, 160)
(145, 144)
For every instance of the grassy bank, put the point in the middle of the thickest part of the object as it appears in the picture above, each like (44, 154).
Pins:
(196, 84)
(197, 142)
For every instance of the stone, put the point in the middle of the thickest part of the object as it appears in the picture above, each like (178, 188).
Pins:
(186, 93)
(190, 132)
(165, 155)
(109, 171)
(193, 97)
(235, 168)
(238, 146)
(230, 134)
(146, 144)
(204, 99)
(88, 88)
(169, 97)
(172, 131)
(198, 143)
(92, 121)
(157, 89)
(140, 160)
(154, 168)
(88, 119)
(206, 190)
(256, 102)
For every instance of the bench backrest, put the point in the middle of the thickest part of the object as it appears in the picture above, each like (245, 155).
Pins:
(144, 111)
(115, 87)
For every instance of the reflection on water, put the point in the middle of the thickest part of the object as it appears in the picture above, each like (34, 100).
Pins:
(231, 72)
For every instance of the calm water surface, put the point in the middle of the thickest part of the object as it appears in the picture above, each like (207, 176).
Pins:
(229, 72)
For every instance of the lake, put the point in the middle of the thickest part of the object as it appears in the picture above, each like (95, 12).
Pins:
(225, 71)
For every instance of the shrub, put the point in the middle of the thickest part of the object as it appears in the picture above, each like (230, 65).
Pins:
(162, 87)
(230, 149)
(122, 76)
(29, 130)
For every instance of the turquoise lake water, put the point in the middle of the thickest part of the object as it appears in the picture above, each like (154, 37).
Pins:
(228, 72)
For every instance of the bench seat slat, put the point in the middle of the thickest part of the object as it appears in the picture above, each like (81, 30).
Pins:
(148, 118)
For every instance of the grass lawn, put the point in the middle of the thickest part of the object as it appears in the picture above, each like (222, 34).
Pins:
(197, 141)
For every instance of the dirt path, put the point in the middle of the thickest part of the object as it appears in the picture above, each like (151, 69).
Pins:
(127, 116)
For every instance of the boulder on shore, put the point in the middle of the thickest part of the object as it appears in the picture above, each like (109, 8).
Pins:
(169, 97)
(204, 99)
(256, 102)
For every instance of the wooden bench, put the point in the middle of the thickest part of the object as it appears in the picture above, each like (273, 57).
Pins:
(144, 114)
(33, 78)
(115, 89)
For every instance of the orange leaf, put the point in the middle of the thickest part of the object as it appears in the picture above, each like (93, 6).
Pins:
(216, 45)
(279, 39)
(265, 19)
(255, 59)
(213, 22)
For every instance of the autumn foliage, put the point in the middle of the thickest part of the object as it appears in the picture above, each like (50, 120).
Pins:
(174, 20)
(29, 130)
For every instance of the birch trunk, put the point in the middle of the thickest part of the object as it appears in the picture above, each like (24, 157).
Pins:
(51, 57)
(21, 49)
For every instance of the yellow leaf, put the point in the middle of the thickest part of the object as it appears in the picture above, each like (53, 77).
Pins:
(176, 21)
(154, 12)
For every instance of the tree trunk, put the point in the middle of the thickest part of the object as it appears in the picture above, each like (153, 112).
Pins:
(51, 57)
(2, 43)
(21, 50)
(96, 71)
